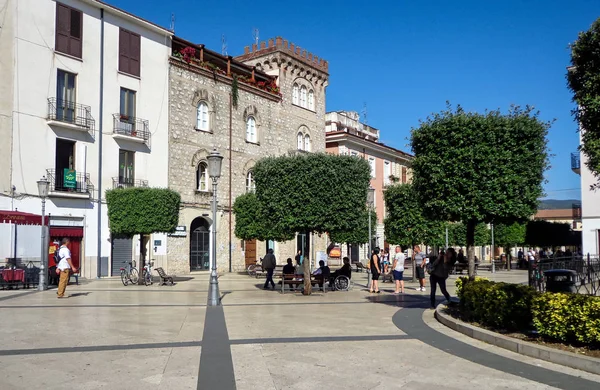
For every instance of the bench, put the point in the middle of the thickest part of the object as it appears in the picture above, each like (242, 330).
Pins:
(74, 275)
(164, 278)
(360, 267)
(340, 283)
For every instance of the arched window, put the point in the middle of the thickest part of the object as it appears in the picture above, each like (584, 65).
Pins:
(202, 117)
(303, 92)
(251, 130)
(311, 100)
(307, 143)
(300, 141)
(250, 185)
(295, 93)
(202, 177)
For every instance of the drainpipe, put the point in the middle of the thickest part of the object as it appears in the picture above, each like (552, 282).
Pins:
(230, 140)
(100, 125)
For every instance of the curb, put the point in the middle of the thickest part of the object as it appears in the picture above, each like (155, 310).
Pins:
(569, 359)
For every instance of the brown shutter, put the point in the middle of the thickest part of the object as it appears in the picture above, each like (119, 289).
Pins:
(124, 51)
(63, 25)
(76, 31)
(134, 54)
(403, 175)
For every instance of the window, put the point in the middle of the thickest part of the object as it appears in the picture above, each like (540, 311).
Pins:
(372, 164)
(250, 185)
(127, 107)
(300, 141)
(387, 171)
(403, 175)
(202, 177)
(129, 52)
(354, 154)
(311, 100)
(65, 96)
(202, 117)
(303, 96)
(251, 130)
(126, 167)
(295, 94)
(64, 162)
(68, 30)
(307, 143)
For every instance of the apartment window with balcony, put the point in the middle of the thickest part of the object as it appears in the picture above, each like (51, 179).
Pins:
(126, 167)
(295, 94)
(64, 162)
(202, 117)
(127, 113)
(129, 52)
(68, 32)
(251, 130)
(65, 96)
(387, 172)
(202, 177)
(372, 165)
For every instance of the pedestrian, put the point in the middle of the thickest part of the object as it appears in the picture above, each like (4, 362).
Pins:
(298, 257)
(421, 262)
(398, 270)
(386, 261)
(375, 271)
(64, 267)
(269, 262)
(440, 269)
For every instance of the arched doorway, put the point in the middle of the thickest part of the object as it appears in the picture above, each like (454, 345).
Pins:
(199, 244)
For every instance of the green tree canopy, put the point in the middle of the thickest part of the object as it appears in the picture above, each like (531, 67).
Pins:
(406, 223)
(137, 210)
(507, 235)
(457, 234)
(476, 168)
(249, 221)
(583, 79)
(360, 233)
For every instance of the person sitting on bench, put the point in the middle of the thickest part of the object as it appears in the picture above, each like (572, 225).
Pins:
(322, 273)
(346, 270)
(288, 270)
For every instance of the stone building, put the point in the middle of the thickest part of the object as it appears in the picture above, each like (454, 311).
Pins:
(280, 92)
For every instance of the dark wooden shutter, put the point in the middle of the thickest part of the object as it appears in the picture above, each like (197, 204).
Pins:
(76, 31)
(134, 54)
(124, 42)
(403, 175)
(63, 24)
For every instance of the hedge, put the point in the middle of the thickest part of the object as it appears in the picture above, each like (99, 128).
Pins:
(562, 317)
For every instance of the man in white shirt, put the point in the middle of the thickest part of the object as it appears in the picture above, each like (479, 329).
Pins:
(65, 265)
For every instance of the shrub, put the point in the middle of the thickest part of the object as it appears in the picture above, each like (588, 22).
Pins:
(462, 280)
(500, 306)
(571, 318)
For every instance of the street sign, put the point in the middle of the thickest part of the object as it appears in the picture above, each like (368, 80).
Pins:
(69, 178)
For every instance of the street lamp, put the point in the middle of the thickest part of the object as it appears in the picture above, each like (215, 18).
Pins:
(214, 172)
(43, 186)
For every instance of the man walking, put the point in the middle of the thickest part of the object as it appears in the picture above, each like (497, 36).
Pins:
(421, 262)
(268, 264)
(65, 265)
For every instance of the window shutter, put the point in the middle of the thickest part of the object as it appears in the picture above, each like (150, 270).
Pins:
(134, 54)
(62, 28)
(403, 175)
(124, 51)
(75, 38)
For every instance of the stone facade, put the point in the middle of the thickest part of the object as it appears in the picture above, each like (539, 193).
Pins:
(278, 122)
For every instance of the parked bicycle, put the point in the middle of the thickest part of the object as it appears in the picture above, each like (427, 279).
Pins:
(129, 274)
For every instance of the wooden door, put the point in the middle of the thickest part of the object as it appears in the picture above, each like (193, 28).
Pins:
(250, 254)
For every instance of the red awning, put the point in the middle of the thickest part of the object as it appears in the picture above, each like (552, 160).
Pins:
(20, 218)
(61, 232)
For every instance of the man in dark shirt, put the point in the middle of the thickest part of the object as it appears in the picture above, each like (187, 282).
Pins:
(346, 270)
(322, 273)
(288, 269)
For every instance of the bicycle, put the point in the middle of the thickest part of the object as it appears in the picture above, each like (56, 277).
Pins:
(129, 274)
(147, 273)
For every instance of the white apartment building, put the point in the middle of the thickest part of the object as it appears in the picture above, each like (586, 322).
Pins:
(590, 206)
(83, 102)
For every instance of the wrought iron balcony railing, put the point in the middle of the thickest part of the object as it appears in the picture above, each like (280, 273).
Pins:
(121, 182)
(131, 127)
(71, 113)
(575, 163)
(75, 182)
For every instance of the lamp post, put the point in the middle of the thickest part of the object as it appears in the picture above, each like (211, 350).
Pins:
(370, 202)
(43, 186)
(214, 172)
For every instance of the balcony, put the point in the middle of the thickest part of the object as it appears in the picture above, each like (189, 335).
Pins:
(69, 184)
(121, 182)
(70, 115)
(575, 163)
(131, 129)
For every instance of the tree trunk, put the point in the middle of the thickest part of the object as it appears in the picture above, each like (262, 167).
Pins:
(142, 262)
(306, 266)
(471, 248)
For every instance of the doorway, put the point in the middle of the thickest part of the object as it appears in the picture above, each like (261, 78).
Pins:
(64, 162)
(250, 252)
(199, 245)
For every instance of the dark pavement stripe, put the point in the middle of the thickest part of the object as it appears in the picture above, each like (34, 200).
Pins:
(6, 298)
(216, 363)
(115, 305)
(324, 339)
(97, 348)
(410, 321)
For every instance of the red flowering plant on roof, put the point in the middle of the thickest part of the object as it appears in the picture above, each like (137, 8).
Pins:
(188, 53)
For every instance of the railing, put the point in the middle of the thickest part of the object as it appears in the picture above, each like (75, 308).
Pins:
(71, 112)
(81, 185)
(575, 162)
(131, 127)
(121, 182)
(587, 269)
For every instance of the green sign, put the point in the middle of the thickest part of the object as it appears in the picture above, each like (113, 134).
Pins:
(70, 178)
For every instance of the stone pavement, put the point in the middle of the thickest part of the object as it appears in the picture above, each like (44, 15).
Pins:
(108, 336)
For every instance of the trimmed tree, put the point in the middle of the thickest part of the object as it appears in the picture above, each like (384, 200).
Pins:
(583, 79)
(509, 235)
(477, 168)
(142, 211)
(458, 234)
(308, 193)
(359, 234)
(250, 222)
(406, 224)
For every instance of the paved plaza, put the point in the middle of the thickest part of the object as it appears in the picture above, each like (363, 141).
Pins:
(107, 336)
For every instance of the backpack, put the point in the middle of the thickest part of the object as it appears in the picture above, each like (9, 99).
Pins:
(57, 256)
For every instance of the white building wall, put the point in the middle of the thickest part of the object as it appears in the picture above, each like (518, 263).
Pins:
(590, 211)
(34, 75)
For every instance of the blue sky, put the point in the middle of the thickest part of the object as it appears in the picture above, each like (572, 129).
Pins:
(405, 59)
